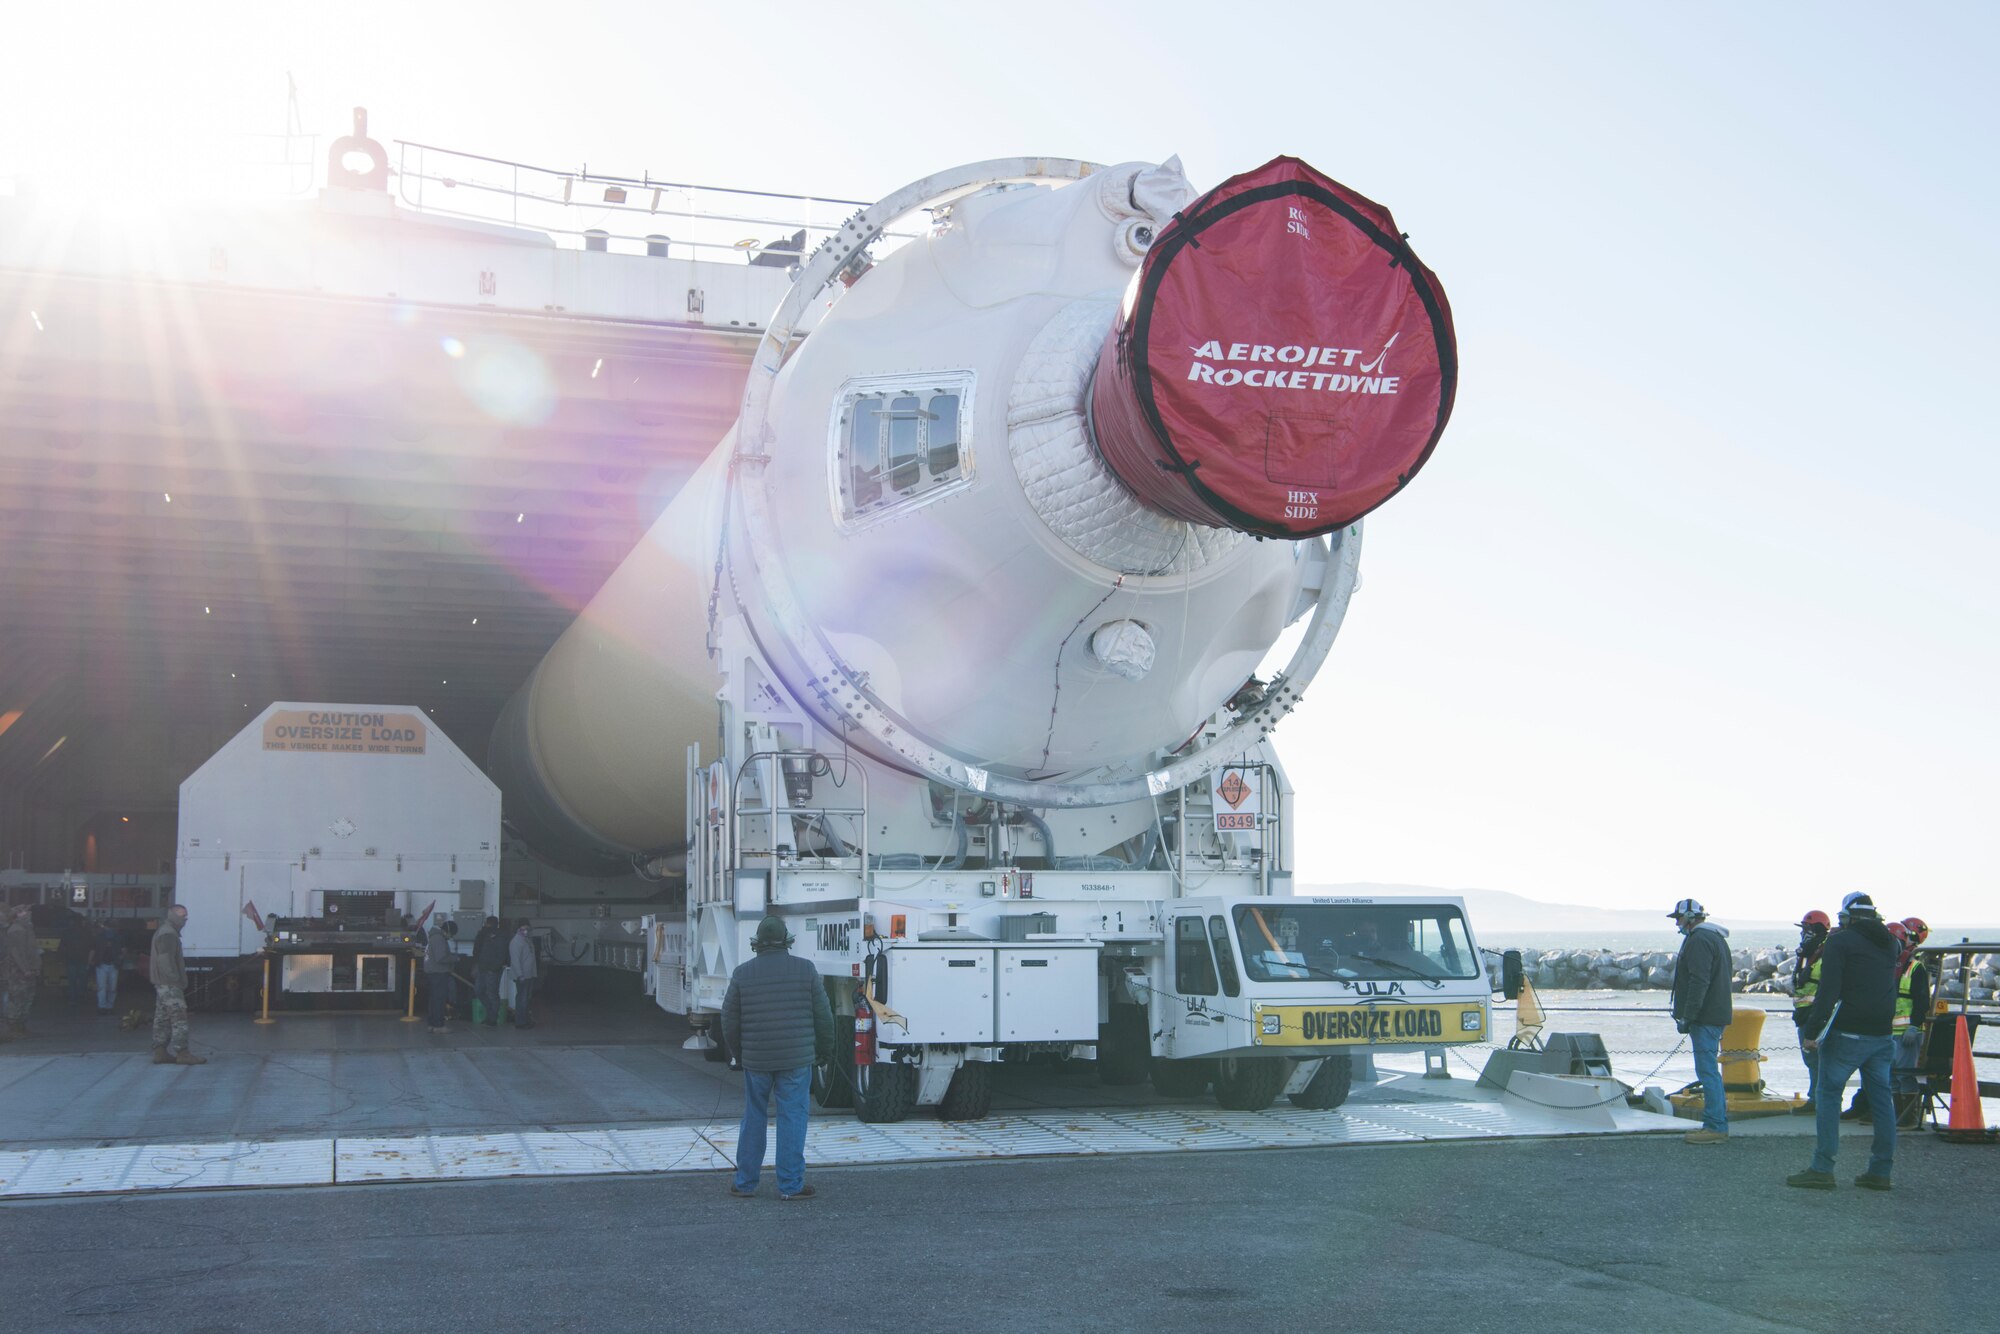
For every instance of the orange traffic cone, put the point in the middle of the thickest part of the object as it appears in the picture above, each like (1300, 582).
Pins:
(1968, 1119)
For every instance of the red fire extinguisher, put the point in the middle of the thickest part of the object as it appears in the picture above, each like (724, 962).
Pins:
(864, 1030)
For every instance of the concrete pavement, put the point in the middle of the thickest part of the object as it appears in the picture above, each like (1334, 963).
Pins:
(1548, 1235)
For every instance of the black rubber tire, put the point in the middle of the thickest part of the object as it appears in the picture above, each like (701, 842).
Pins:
(718, 1048)
(1329, 1086)
(833, 1083)
(1250, 1083)
(970, 1094)
(1182, 1079)
(885, 1092)
(1124, 1048)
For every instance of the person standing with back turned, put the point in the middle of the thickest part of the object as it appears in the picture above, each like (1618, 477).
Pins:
(1849, 1026)
(776, 1019)
(437, 975)
(1702, 1010)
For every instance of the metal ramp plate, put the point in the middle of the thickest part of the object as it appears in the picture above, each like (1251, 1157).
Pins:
(710, 1146)
(149, 1167)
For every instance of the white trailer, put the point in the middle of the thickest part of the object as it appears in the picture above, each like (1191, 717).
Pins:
(318, 835)
(984, 714)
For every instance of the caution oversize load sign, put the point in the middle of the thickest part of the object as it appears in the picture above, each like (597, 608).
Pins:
(328, 732)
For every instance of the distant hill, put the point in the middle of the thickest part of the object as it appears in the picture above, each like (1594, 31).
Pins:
(1495, 911)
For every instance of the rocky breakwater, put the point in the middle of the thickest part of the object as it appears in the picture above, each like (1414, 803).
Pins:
(1755, 971)
(1980, 983)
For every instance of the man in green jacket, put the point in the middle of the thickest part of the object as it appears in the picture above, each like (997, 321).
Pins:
(170, 1010)
(776, 1021)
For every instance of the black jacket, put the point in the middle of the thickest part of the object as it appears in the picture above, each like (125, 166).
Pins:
(775, 1015)
(1702, 975)
(489, 949)
(1857, 971)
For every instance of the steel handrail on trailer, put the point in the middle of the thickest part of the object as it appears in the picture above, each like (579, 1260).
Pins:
(1270, 825)
(776, 804)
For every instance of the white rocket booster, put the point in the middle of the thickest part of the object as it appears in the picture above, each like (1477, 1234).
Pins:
(916, 518)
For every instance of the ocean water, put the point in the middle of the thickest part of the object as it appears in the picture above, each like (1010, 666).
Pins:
(1670, 939)
(1618, 942)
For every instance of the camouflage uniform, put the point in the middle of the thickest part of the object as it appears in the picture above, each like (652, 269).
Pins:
(170, 1018)
(21, 969)
(170, 1013)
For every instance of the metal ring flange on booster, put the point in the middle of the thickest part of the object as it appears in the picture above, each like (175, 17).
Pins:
(839, 688)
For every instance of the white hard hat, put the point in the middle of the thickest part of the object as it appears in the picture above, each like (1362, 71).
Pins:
(1688, 908)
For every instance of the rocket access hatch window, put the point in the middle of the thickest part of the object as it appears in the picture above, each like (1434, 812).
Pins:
(900, 441)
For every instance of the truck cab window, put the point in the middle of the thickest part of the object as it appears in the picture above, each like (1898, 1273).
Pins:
(900, 441)
(1194, 966)
(1225, 958)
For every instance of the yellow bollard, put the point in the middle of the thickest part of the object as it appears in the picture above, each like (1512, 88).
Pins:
(1742, 1073)
(265, 1017)
(410, 1015)
(1742, 1052)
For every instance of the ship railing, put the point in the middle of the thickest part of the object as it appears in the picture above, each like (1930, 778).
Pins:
(595, 209)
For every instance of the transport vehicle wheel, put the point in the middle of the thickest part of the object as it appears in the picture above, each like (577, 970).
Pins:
(1181, 1079)
(833, 1083)
(970, 1095)
(718, 1050)
(1328, 1087)
(1123, 1049)
(884, 1092)
(1250, 1083)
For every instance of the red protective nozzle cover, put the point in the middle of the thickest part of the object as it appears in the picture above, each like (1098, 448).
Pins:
(1287, 363)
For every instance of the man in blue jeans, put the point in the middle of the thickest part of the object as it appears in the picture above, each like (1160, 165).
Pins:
(1849, 1027)
(777, 1023)
(1702, 1010)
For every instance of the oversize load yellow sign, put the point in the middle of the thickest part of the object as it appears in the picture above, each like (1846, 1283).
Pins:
(1368, 1025)
(328, 732)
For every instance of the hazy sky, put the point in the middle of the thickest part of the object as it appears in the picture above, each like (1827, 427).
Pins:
(1698, 595)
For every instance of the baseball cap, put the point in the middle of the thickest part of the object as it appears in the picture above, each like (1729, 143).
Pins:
(1688, 908)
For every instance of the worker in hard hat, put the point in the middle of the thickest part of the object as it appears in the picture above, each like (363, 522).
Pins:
(1702, 1010)
(1813, 929)
(1849, 1027)
(1913, 1002)
(1913, 1007)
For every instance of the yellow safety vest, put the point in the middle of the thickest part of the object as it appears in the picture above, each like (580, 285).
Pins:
(1904, 1003)
(1807, 985)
